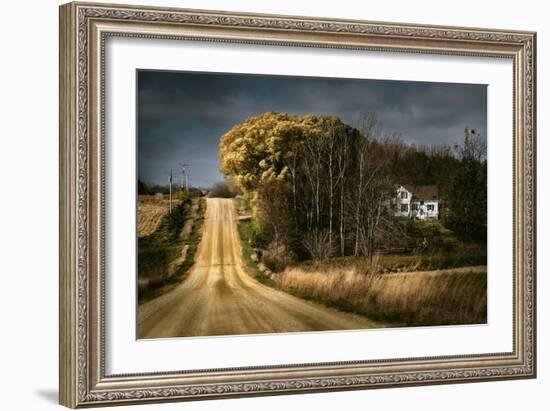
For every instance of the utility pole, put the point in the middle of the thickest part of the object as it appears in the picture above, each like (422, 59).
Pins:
(187, 182)
(184, 177)
(171, 175)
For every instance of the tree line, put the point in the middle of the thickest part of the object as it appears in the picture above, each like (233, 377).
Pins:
(320, 188)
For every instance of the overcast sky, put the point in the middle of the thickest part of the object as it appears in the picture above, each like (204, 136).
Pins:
(181, 116)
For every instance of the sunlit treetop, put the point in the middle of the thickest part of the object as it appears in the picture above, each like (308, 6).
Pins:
(262, 146)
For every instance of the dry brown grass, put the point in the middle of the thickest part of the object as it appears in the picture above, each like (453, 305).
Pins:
(150, 211)
(409, 299)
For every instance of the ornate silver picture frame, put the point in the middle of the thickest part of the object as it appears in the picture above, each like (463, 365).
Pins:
(84, 30)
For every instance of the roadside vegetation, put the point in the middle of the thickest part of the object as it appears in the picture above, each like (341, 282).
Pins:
(247, 232)
(411, 299)
(166, 254)
(405, 289)
(320, 224)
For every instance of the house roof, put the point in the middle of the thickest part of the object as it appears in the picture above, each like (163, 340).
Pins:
(423, 192)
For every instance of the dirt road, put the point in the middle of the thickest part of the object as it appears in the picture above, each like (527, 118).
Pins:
(219, 298)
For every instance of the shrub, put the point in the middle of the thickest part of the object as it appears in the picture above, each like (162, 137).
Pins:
(277, 256)
(316, 242)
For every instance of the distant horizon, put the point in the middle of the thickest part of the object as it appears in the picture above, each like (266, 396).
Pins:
(181, 116)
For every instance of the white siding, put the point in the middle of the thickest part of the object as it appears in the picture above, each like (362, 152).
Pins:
(407, 206)
(425, 209)
(402, 201)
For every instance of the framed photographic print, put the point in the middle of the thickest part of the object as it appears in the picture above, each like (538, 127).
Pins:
(258, 204)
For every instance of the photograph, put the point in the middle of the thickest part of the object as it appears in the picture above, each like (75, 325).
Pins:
(278, 204)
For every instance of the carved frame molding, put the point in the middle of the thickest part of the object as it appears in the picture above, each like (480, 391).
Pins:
(84, 27)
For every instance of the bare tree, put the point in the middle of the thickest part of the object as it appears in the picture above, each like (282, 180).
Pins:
(342, 160)
(313, 170)
(317, 244)
(373, 187)
(329, 147)
(291, 162)
(369, 125)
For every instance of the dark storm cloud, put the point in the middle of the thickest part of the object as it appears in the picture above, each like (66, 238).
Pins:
(181, 116)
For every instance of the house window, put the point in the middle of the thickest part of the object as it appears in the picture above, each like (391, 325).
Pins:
(404, 194)
(431, 207)
(404, 208)
(414, 206)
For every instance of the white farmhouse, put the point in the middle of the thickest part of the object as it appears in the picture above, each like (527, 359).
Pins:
(420, 202)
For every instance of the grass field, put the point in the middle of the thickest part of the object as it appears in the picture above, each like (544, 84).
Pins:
(151, 209)
(411, 299)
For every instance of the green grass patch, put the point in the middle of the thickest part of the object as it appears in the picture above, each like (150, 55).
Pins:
(247, 232)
